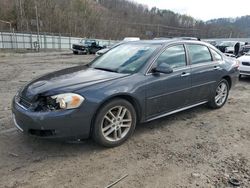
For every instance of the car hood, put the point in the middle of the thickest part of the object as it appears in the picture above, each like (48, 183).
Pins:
(66, 80)
(245, 58)
(81, 44)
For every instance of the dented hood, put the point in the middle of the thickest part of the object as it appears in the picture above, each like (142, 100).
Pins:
(67, 80)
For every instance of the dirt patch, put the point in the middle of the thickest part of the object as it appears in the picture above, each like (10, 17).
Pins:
(196, 148)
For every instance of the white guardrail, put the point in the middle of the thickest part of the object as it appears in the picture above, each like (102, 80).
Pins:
(46, 41)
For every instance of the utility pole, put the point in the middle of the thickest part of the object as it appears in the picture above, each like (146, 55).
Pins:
(158, 30)
(37, 26)
(21, 14)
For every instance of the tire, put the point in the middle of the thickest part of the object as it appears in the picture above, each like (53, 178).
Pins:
(88, 52)
(74, 52)
(240, 76)
(216, 101)
(113, 130)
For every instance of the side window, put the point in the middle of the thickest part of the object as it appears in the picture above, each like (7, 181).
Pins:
(199, 53)
(217, 56)
(174, 56)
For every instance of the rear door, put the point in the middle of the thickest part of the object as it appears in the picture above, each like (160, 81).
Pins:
(204, 72)
(168, 92)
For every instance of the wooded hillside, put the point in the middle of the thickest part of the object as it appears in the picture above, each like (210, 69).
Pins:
(110, 19)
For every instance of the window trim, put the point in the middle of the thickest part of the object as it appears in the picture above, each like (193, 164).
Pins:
(149, 69)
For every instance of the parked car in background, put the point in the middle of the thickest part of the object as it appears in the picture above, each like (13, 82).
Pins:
(126, 39)
(244, 64)
(103, 51)
(129, 39)
(246, 48)
(212, 42)
(230, 55)
(229, 47)
(161, 38)
(87, 46)
(134, 82)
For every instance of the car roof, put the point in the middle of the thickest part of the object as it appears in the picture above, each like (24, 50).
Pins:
(175, 41)
(166, 41)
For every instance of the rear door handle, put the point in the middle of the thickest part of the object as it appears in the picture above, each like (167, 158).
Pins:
(184, 74)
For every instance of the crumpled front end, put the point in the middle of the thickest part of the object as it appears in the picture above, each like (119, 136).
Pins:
(38, 119)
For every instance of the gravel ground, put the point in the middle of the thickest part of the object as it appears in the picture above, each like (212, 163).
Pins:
(196, 148)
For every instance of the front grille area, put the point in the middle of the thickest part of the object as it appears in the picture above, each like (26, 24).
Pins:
(246, 63)
(78, 47)
(23, 102)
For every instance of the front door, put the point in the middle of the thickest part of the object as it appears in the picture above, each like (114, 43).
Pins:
(168, 92)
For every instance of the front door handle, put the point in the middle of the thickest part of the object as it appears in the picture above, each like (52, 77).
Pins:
(184, 74)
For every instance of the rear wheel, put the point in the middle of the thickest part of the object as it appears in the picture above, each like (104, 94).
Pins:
(220, 95)
(75, 52)
(114, 124)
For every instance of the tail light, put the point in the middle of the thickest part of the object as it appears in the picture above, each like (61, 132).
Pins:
(237, 64)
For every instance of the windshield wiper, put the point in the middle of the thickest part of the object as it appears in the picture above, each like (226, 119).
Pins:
(105, 69)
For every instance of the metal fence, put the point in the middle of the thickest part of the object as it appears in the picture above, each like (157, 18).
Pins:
(32, 41)
(42, 41)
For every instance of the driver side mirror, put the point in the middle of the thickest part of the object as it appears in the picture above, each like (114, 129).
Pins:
(163, 68)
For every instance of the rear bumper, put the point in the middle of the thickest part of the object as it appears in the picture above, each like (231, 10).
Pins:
(63, 125)
(247, 73)
(244, 70)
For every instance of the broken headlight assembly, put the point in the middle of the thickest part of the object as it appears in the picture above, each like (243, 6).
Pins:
(59, 102)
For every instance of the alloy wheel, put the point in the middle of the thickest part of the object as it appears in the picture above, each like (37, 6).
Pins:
(221, 94)
(116, 123)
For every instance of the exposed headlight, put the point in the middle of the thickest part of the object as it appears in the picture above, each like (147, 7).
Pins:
(68, 100)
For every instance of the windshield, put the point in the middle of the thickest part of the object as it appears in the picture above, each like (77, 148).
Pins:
(125, 58)
(87, 42)
(228, 43)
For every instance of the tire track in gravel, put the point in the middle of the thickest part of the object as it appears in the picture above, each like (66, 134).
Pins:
(10, 72)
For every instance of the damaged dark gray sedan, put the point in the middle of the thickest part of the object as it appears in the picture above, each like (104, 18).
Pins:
(132, 83)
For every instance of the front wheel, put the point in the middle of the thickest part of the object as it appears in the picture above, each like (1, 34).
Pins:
(115, 123)
(220, 95)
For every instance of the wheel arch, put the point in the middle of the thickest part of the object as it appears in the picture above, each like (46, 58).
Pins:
(228, 79)
(126, 97)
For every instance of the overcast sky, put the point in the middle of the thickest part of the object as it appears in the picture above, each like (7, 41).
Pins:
(203, 10)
